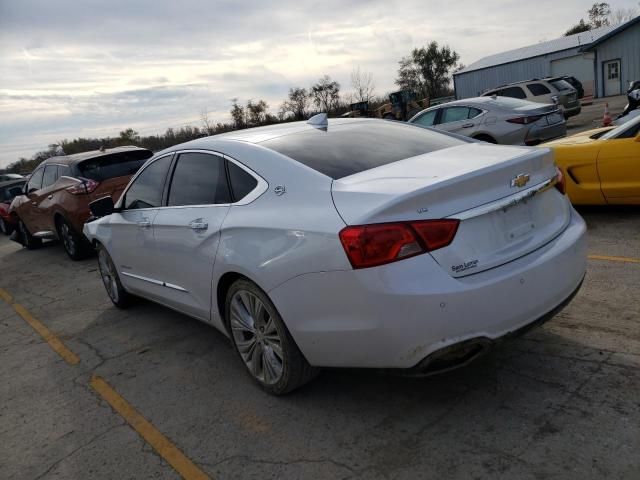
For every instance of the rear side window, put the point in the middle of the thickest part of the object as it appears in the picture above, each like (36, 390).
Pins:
(346, 149)
(35, 182)
(199, 179)
(146, 190)
(242, 183)
(50, 175)
(63, 170)
(114, 165)
(561, 84)
(455, 114)
(513, 92)
(538, 89)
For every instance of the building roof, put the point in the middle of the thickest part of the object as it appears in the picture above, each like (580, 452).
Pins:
(615, 31)
(543, 48)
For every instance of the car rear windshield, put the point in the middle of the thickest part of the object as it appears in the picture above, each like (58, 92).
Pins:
(114, 165)
(342, 150)
(561, 84)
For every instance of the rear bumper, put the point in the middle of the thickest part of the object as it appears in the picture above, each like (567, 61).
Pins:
(539, 134)
(572, 110)
(396, 315)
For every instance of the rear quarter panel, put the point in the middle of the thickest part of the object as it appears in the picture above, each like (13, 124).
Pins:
(579, 166)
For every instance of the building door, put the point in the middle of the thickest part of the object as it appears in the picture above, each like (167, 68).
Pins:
(612, 78)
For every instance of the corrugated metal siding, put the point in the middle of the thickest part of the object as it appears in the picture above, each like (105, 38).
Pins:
(473, 83)
(626, 47)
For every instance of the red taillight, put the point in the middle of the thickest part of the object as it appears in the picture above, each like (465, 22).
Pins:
(525, 120)
(85, 186)
(561, 184)
(377, 244)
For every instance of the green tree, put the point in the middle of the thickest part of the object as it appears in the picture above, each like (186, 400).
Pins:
(129, 137)
(579, 27)
(326, 94)
(296, 104)
(427, 71)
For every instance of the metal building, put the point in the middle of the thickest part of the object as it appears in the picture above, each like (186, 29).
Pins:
(605, 60)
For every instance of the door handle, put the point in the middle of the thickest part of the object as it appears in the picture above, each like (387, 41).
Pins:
(198, 224)
(49, 197)
(144, 223)
(467, 125)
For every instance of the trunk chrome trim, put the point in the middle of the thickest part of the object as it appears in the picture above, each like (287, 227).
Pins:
(155, 282)
(506, 202)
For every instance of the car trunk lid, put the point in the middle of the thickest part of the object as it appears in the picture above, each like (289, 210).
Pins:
(501, 195)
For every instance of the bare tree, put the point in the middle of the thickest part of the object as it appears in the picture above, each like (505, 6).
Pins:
(207, 123)
(623, 15)
(362, 84)
(599, 14)
(326, 94)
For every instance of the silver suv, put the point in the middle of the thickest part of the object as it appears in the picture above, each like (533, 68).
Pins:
(548, 90)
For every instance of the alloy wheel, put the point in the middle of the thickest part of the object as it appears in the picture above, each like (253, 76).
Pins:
(67, 238)
(108, 274)
(256, 336)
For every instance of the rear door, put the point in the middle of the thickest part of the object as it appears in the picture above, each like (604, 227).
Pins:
(131, 229)
(187, 230)
(619, 168)
(459, 119)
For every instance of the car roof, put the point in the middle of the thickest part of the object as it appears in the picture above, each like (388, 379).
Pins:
(257, 135)
(79, 157)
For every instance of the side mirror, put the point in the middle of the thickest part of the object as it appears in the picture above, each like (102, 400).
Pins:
(101, 207)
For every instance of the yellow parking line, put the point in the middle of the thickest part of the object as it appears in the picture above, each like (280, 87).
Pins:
(614, 259)
(54, 342)
(4, 295)
(147, 431)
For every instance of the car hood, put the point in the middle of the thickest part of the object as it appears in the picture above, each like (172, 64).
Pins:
(579, 138)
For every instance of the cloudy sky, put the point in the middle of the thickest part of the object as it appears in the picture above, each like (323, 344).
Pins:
(92, 68)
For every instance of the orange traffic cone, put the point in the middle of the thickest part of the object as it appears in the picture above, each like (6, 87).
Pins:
(606, 118)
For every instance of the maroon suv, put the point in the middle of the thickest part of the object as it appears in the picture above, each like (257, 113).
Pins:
(55, 201)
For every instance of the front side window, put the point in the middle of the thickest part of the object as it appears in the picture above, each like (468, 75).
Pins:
(513, 92)
(146, 190)
(199, 179)
(455, 114)
(426, 119)
(50, 175)
(35, 182)
(538, 89)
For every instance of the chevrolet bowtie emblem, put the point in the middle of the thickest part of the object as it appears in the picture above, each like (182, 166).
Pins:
(520, 181)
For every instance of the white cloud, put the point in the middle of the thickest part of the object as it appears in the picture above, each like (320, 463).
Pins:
(71, 68)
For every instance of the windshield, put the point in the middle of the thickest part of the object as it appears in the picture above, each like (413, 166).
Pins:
(344, 149)
(9, 192)
(626, 130)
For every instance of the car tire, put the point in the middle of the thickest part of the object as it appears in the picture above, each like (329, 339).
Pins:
(263, 342)
(74, 243)
(5, 227)
(28, 241)
(111, 280)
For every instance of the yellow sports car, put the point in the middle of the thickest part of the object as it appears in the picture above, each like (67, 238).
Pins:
(601, 166)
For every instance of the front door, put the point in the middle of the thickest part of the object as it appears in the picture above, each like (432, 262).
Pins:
(612, 78)
(619, 170)
(132, 244)
(187, 231)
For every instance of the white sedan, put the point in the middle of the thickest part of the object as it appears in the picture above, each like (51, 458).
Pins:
(347, 243)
